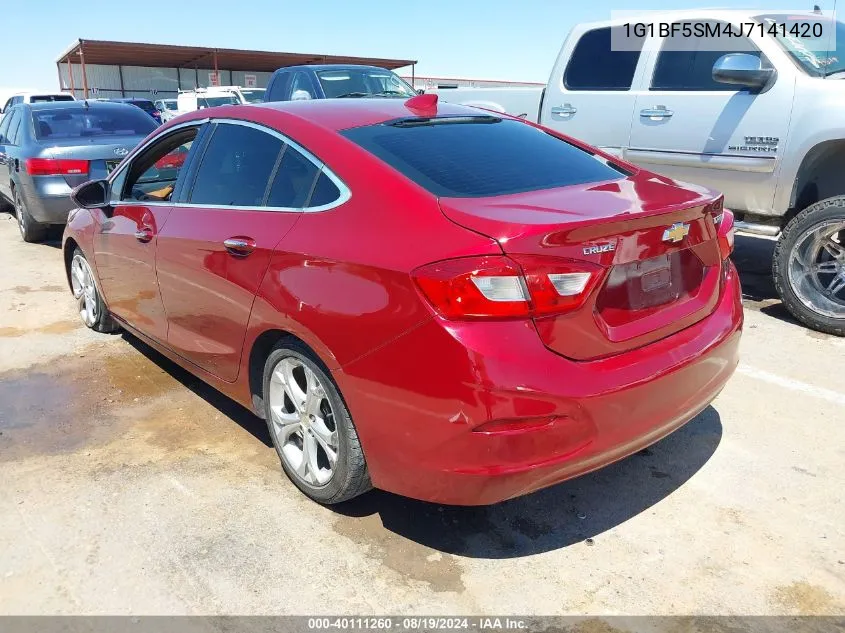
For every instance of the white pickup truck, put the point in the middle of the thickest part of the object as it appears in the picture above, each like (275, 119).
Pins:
(759, 117)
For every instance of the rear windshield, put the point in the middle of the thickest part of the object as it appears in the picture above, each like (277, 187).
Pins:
(49, 98)
(211, 102)
(254, 95)
(85, 122)
(144, 105)
(479, 156)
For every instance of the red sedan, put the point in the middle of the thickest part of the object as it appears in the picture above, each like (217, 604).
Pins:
(430, 299)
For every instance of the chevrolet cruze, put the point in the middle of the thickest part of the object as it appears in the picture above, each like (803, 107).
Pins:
(434, 300)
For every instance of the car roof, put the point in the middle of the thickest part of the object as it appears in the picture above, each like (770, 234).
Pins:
(316, 67)
(77, 105)
(340, 114)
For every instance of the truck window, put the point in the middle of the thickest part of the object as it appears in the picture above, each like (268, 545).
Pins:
(686, 63)
(594, 65)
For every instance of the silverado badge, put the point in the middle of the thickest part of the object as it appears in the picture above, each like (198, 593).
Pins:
(676, 233)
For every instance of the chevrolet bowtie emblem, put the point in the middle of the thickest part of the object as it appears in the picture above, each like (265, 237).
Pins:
(676, 233)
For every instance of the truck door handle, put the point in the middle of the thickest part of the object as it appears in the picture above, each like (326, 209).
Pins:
(144, 234)
(563, 111)
(658, 112)
(239, 246)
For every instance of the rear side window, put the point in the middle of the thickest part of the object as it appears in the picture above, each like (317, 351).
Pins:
(293, 182)
(236, 167)
(480, 156)
(594, 65)
(81, 122)
(14, 126)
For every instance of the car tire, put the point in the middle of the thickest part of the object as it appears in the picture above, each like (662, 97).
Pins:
(809, 266)
(309, 422)
(31, 231)
(92, 309)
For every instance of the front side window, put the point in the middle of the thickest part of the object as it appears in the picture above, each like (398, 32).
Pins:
(81, 122)
(808, 41)
(475, 156)
(236, 166)
(152, 176)
(686, 63)
(594, 65)
(301, 89)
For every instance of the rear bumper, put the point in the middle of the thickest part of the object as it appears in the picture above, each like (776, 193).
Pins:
(48, 199)
(417, 401)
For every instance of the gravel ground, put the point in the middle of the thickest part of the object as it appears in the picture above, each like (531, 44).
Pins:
(128, 487)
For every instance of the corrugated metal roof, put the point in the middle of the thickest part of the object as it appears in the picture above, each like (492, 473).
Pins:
(169, 56)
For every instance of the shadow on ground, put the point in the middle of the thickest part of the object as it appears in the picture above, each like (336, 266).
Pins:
(245, 418)
(753, 259)
(556, 517)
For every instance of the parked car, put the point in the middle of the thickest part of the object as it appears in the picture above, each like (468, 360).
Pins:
(757, 117)
(167, 108)
(331, 81)
(190, 100)
(48, 148)
(35, 97)
(425, 298)
(145, 104)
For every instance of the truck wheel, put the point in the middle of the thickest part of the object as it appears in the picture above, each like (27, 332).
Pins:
(809, 266)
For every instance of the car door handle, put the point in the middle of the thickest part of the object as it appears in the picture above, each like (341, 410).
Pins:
(563, 111)
(239, 246)
(659, 112)
(144, 234)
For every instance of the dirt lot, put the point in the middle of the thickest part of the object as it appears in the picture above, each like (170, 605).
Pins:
(130, 487)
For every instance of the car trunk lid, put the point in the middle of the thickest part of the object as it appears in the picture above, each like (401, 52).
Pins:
(103, 154)
(655, 240)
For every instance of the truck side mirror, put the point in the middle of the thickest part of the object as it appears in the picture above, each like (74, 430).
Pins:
(742, 69)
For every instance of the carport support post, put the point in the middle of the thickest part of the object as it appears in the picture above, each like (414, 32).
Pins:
(413, 77)
(84, 74)
(120, 74)
(70, 74)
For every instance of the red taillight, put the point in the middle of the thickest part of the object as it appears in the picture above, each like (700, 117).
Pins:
(56, 167)
(505, 287)
(725, 231)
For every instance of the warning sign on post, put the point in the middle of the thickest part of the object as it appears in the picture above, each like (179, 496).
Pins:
(213, 78)
(250, 81)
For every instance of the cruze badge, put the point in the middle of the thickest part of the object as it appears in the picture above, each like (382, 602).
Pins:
(121, 151)
(599, 248)
(676, 233)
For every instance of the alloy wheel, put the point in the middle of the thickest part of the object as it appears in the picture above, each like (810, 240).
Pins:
(303, 422)
(84, 290)
(21, 215)
(817, 269)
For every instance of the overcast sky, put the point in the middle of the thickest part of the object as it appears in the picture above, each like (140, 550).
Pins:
(484, 39)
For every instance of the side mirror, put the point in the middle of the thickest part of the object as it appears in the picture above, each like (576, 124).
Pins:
(420, 91)
(93, 194)
(742, 69)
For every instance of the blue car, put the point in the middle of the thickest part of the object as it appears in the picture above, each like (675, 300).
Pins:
(335, 81)
(47, 149)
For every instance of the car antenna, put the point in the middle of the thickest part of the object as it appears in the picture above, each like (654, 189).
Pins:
(423, 105)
